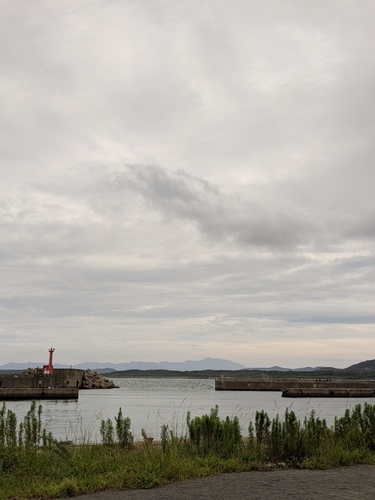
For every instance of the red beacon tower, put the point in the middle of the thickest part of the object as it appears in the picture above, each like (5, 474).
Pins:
(48, 369)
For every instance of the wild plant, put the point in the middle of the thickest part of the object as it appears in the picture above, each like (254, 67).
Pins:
(29, 432)
(356, 429)
(20, 434)
(47, 439)
(276, 441)
(293, 436)
(258, 441)
(231, 436)
(315, 432)
(148, 440)
(122, 429)
(164, 437)
(11, 429)
(32, 425)
(369, 425)
(106, 431)
(123, 433)
(210, 434)
(8, 427)
(2, 423)
(288, 439)
(262, 427)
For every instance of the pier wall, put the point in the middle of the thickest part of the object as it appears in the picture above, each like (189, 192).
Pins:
(283, 384)
(9, 394)
(329, 392)
(57, 379)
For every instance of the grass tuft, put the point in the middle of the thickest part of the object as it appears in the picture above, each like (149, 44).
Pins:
(68, 488)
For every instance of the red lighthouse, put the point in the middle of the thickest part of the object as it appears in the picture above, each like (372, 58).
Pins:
(48, 369)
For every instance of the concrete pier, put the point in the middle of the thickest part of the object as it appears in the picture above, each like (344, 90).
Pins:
(14, 393)
(328, 393)
(33, 379)
(254, 384)
(293, 387)
(61, 384)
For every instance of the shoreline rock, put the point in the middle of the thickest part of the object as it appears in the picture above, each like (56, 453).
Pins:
(93, 380)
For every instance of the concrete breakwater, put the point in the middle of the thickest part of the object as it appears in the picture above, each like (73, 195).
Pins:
(293, 387)
(328, 392)
(36, 393)
(34, 378)
(61, 384)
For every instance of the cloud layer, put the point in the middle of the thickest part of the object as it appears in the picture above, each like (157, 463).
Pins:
(187, 180)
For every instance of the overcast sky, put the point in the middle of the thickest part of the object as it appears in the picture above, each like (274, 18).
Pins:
(187, 179)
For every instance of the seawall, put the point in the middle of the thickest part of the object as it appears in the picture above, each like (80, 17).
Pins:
(331, 392)
(10, 394)
(33, 379)
(284, 384)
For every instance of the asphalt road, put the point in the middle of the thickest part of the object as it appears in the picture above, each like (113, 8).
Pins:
(354, 483)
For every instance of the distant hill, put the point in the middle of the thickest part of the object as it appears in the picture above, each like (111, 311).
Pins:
(204, 364)
(363, 366)
(215, 364)
(245, 373)
(305, 369)
(316, 369)
(107, 367)
(28, 364)
(271, 369)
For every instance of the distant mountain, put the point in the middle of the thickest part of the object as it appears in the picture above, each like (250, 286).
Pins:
(95, 365)
(190, 365)
(316, 369)
(29, 364)
(271, 369)
(305, 369)
(204, 364)
(19, 366)
(363, 366)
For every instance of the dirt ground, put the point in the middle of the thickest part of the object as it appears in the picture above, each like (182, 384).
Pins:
(354, 483)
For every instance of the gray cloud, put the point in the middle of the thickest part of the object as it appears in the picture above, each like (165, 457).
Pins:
(182, 196)
(187, 180)
(279, 223)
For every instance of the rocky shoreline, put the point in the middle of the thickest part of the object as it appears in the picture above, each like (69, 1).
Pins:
(93, 380)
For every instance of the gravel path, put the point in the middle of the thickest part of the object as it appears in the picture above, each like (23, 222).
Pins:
(354, 483)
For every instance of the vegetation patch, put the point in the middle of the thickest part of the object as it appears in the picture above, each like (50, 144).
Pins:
(35, 465)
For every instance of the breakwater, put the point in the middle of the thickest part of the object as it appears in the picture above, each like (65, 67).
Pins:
(63, 383)
(293, 387)
(34, 378)
(328, 392)
(12, 394)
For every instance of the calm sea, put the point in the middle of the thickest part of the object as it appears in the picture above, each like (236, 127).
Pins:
(150, 403)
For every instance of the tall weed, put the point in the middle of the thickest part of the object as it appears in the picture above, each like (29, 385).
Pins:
(122, 428)
(210, 434)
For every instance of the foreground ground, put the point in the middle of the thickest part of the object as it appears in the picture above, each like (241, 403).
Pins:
(354, 483)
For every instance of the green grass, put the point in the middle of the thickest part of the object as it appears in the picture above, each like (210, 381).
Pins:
(34, 465)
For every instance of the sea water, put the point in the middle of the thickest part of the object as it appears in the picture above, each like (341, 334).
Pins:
(151, 403)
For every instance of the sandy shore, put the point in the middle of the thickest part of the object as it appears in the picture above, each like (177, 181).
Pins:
(354, 483)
